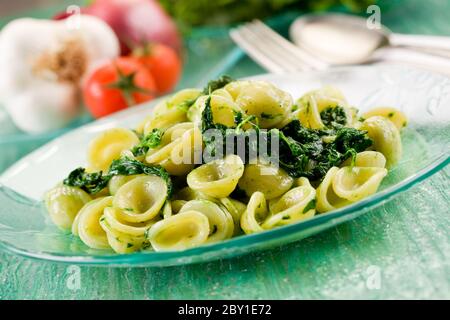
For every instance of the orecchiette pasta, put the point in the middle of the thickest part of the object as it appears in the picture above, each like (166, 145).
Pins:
(63, 204)
(179, 232)
(117, 181)
(223, 109)
(220, 221)
(180, 149)
(397, 117)
(141, 199)
(367, 159)
(255, 214)
(386, 138)
(108, 146)
(356, 183)
(262, 99)
(89, 229)
(327, 200)
(167, 186)
(312, 104)
(217, 178)
(123, 236)
(169, 112)
(236, 209)
(265, 178)
(296, 204)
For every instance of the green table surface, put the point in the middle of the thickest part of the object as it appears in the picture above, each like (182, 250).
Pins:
(399, 250)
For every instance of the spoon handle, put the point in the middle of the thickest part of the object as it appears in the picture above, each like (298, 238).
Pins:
(413, 57)
(439, 43)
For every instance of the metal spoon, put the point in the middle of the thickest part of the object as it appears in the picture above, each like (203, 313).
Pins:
(347, 39)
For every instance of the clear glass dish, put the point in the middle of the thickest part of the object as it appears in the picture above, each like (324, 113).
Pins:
(25, 228)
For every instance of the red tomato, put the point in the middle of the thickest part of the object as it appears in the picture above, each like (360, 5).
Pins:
(118, 85)
(163, 62)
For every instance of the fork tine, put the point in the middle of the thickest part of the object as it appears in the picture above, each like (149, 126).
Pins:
(255, 53)
(272, 49)
(287, 45)
(267, 49)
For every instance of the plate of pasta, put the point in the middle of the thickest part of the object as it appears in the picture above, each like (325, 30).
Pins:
(236, 166)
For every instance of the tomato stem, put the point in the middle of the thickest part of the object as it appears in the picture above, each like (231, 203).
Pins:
(127, 86)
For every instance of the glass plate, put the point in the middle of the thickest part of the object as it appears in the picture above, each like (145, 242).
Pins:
(25, 228)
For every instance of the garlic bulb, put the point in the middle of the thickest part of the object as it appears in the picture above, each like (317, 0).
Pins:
(43, 64)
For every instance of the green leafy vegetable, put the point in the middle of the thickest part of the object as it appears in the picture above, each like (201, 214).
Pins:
(186, 104)
(334, 117)
(310, 205)
(95, 182)
(150, 141)
(217, 84)
(89, 182)
(304, 153)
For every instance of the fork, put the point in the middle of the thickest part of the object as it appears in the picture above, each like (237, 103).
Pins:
(272, 51)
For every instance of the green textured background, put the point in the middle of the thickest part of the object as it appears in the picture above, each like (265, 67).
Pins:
(405, 242)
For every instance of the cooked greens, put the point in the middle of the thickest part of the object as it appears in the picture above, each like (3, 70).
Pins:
(149, 141)
(333, 117)
(95, 182)
(217, 84)
(308, 153)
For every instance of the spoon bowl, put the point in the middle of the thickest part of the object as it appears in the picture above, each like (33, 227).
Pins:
(346, 39)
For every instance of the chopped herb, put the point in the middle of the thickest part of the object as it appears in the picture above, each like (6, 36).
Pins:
(390, 114)
(310, 205)
(150, 141)
(217, 84)
(146, 245)
(333, 117)
(186, 104)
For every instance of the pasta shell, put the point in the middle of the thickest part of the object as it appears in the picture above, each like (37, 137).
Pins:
(89, 229)
(291, 207)
(397, 117)
(367, 159)
(386, 138)
(63, 204)
(141, 199)
(255, 214)
(220, 221)
(217, 178)
(327, 200)
(266, 178)
(108, 146)
(179, 232)
(356, 183)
